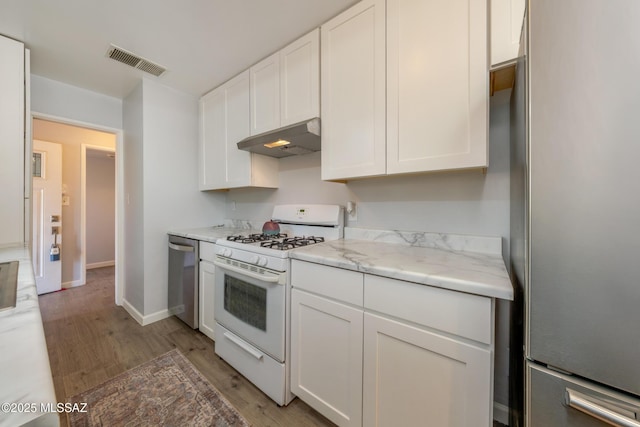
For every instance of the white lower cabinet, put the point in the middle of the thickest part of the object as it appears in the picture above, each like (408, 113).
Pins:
(326, 357)
(390, 352)
(207, 281)
(414, 377)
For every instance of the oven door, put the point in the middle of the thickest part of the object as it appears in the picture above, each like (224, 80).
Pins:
(250, 302)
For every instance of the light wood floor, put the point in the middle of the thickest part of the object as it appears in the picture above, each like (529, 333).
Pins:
(90, 340)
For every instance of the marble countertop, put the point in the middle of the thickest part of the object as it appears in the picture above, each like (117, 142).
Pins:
(25, 373)
(461, 263)
(443, 261)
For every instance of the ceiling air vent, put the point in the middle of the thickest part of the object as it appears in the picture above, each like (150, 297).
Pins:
(131, 59)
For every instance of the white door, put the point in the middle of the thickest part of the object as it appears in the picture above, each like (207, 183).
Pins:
(300, 79)
(47, 210)
(207, 284)
(415, 377)
(265, 95)
(326, 357)
(437, 103)
(352, 72)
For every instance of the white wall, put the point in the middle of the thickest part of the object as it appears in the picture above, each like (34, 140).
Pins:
(62, 100)
(101, 210)
(467, 202)
(161, 184)
(134, 206)
(171, 196)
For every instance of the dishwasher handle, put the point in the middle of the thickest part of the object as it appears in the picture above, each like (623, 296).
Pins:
(181, 248)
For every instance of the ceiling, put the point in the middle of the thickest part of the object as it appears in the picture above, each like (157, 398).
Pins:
(202, 43)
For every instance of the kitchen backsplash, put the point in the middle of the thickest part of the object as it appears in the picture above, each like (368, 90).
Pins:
(463, 202)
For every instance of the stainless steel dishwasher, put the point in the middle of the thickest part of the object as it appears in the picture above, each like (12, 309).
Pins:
(183, 279)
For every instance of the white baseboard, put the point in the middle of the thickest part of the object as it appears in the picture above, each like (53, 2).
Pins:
(100, 264)
(501, 413)
(72, 284)
(141, 319)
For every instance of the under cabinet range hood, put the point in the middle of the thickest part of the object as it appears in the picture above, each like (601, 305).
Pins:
(300, 138)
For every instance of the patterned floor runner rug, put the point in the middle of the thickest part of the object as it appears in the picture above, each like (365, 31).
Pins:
(165, 391)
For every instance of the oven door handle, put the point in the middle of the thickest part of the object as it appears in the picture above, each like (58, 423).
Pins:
(258, 276)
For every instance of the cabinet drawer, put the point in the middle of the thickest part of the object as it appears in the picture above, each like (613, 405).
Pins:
(336, 283)
(465, 315)
(207, 251)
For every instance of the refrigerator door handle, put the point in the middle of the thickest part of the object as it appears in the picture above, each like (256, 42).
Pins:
(577, 401)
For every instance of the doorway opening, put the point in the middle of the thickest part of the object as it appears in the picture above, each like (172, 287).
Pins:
(98, 210)
(80, 143)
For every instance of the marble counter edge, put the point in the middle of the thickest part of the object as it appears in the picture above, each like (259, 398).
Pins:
(23, 347)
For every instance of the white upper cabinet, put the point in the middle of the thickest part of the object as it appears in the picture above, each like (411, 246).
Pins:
(12, 143)
(353, 92)
(507, 17)
(437, 85)
(300, 79)
(411, 99)
(285, 87)
(224, 121)
(265, 95)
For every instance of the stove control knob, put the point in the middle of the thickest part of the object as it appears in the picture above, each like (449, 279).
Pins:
(262, 261)
(227, 252)
(254, 259)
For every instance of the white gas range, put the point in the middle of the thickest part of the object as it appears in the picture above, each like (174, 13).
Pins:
(252, 293)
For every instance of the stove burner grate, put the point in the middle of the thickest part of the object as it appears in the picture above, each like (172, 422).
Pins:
(253, 238)
(291, 242)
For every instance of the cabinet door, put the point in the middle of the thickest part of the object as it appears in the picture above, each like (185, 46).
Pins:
(207, 283)
(224, 121)
(353, 92)
(300, 79)
(414, 377)
(238, 162)
(213, 163)
(437, 85)
(265, 95)
(12, 146)
(326, 357)
(506, 27)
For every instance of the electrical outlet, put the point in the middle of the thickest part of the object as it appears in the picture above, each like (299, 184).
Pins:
(352, 211)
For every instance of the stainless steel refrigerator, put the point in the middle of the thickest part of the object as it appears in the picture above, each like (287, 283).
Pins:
(577, 240)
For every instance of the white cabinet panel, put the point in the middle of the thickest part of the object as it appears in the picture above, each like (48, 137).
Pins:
(507, 17)
(238, 162)
(413, 377)
(285, 87)
(300, 79)
(265, 95)
(353, 92)
(465, 315)
(343, 285)
(213, 164)
(207, 281)
(12, 144)
(437, 85)
(326, 357)
(224, 121)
